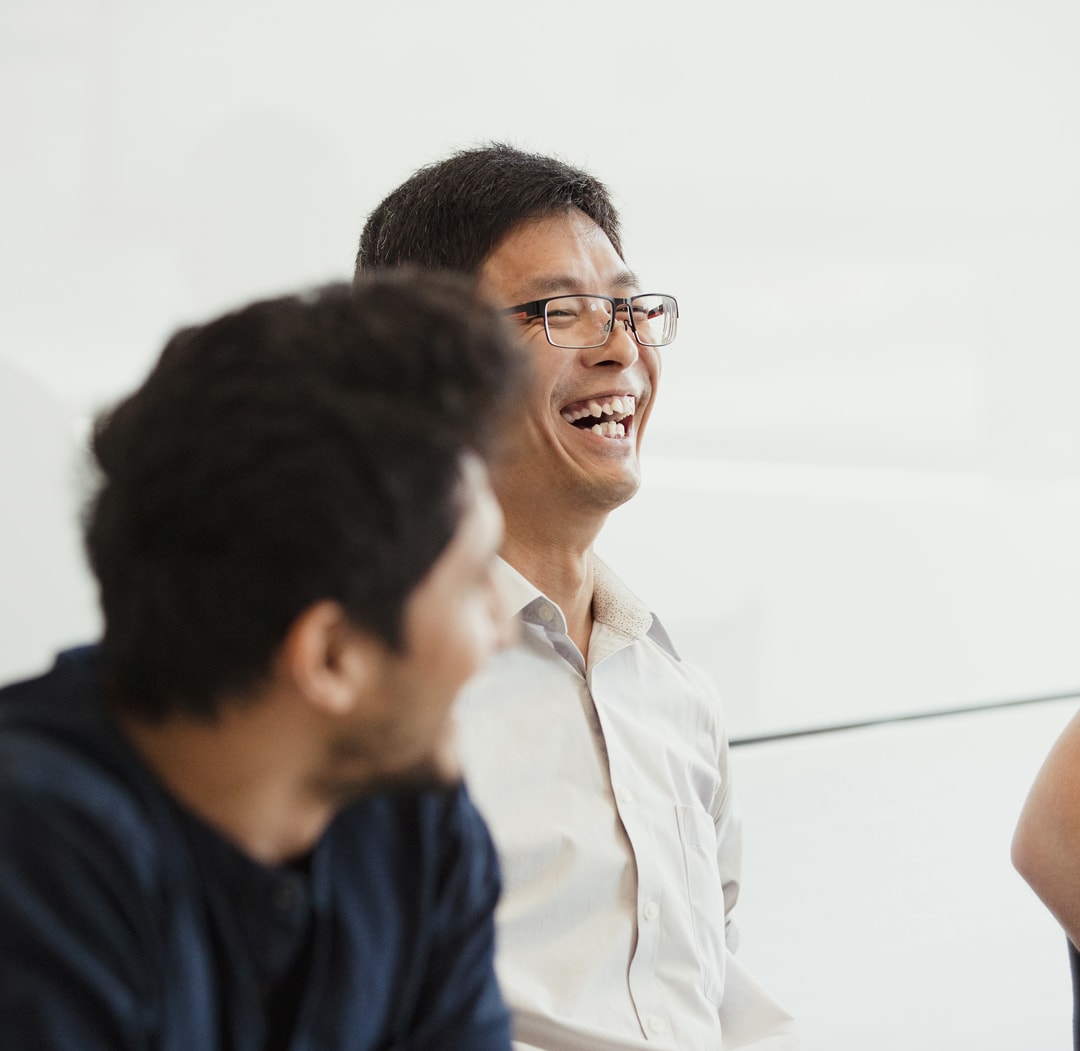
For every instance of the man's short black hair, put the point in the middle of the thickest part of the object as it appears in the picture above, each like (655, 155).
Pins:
(452, 214)
(300, 449)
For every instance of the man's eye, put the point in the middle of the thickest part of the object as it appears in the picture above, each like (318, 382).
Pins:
(562, 318)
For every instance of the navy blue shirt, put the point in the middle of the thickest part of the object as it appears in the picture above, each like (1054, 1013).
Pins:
(128, 923)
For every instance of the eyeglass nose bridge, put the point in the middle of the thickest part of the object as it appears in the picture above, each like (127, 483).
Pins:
(627, 320)
(622, 312)
(609, 325)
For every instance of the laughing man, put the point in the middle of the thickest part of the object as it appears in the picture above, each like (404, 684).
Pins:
(598, 756)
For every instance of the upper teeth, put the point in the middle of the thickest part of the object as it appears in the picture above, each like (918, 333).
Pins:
(621, 406)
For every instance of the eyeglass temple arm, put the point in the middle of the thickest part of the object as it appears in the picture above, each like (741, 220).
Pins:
(524, 311)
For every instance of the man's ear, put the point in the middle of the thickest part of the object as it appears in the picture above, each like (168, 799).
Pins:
(329, 660)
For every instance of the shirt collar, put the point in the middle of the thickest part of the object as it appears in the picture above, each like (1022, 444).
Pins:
(614, 604)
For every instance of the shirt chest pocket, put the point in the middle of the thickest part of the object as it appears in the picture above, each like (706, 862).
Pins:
(705, 895)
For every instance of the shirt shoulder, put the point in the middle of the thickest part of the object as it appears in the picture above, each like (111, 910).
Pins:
(83, 879)
(64, 763)
(430, 843)
(417, 882)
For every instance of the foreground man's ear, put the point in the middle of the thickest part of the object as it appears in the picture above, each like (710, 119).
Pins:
(330, 661)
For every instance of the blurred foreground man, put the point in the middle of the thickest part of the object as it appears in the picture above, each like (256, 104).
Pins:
(598, 757)
(294, 539)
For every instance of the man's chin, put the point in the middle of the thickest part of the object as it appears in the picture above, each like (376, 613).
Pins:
(432, 774)
(608, 493)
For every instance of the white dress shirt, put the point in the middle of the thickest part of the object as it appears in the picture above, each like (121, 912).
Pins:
(606, 787)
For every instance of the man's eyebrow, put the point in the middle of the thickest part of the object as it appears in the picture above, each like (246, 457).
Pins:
(553, 284)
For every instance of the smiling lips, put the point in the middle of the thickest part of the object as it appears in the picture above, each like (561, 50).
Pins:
(609, 416)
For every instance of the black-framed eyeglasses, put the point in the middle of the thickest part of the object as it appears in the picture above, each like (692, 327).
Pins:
(581, 322)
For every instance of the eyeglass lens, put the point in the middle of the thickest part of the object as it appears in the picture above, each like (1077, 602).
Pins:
(587, 321)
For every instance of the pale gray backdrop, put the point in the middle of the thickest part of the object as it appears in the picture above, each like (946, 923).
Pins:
(863, 484)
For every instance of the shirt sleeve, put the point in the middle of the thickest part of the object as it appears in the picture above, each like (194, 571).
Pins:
(73, 965)
(728, 822)
(463, 1007)
(729, 851)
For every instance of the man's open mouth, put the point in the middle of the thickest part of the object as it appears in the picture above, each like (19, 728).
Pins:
(609, 416)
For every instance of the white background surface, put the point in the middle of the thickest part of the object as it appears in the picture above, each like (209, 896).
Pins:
(863, 484)
(879, 904)
(864, 478)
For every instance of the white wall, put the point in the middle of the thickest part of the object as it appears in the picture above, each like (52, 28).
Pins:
(863, 483)
(46, 599)
(879, 904)
(862, 490)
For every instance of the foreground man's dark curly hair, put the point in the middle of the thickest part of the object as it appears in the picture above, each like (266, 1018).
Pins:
(299, 449)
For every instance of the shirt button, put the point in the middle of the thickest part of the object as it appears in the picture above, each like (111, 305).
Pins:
(626, 795)
(651, 910)
(655, 1025)
(285, 896)
(546, 614)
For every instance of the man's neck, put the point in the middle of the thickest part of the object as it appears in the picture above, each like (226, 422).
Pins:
(562, 573)
(234, 775)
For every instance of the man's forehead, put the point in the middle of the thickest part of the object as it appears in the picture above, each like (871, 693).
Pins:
(621, 280)
(561, 253)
